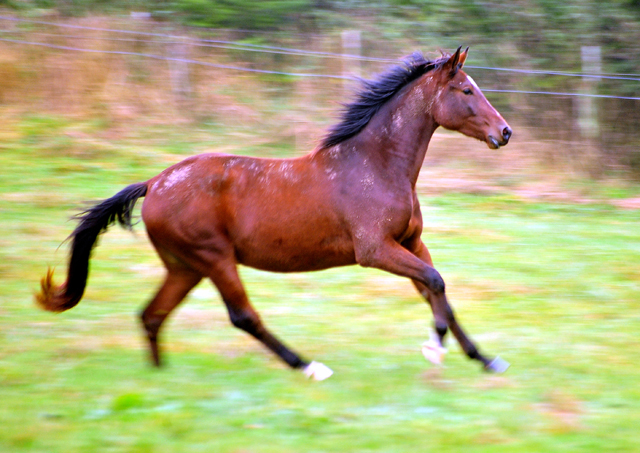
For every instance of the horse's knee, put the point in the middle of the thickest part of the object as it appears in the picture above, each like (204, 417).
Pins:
(247, 320)
(434, 281)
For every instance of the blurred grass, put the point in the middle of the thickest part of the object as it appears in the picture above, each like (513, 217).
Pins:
(553, 288)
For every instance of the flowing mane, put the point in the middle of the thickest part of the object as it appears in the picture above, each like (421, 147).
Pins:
(375, 93)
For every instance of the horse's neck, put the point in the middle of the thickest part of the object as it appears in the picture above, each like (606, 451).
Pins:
(401, 131)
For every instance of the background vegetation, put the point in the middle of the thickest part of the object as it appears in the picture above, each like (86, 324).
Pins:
(538, 242)
(530, 36)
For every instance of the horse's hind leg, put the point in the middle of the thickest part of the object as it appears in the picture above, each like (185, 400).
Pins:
(243, 316)
(176, 286)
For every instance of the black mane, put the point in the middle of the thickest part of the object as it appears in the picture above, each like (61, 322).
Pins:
(375, 93)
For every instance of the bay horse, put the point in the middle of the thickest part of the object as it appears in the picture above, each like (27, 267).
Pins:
(352, 200)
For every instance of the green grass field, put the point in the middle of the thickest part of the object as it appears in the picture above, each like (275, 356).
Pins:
(552, 288)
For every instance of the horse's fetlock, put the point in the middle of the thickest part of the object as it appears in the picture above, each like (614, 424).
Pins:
(441, 329)
(473, 353)
(151, 323)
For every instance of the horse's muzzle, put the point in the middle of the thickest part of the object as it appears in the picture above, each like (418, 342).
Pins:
(493, 142)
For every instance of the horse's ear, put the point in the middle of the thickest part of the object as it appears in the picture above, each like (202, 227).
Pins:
(463, 58)
(452, 65)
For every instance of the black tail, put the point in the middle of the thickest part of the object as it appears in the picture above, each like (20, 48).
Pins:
(93, 221)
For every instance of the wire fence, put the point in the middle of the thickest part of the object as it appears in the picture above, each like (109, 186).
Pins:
(182, 60)
(247, 47)
(325, 76)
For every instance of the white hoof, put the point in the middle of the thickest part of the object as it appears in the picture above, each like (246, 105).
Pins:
(317, 371)
(433, 352)
(497, 365)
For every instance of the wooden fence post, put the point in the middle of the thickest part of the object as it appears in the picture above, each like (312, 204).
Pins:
(587, 106)
(179, 72)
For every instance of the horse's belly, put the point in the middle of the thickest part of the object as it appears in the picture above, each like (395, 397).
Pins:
(293, 253)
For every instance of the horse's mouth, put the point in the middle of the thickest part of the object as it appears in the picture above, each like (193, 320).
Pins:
(493, 143)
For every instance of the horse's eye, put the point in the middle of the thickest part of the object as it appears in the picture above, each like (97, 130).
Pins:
(467, 91)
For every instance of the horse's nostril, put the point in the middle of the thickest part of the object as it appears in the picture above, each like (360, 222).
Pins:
(506, 133)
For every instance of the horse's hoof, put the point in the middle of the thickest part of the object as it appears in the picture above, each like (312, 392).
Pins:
(433, 352)
(317, 371)
(497, 365)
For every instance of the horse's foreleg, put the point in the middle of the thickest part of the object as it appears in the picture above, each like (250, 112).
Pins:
(394, 258)
(243, 316)
(176, 286)
(443, 312)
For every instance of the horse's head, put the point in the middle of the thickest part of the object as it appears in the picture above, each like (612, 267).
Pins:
(459, 105)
